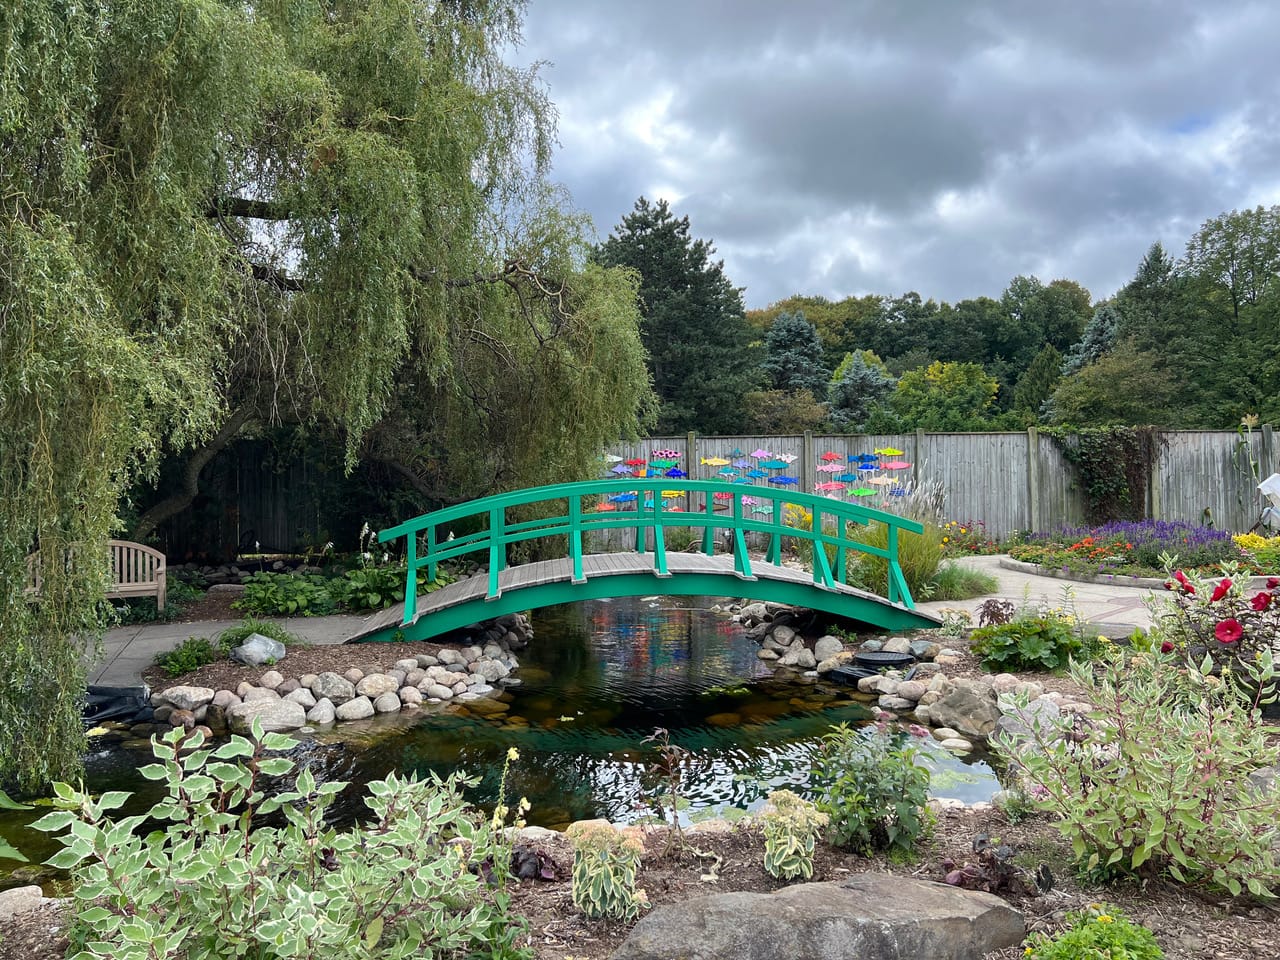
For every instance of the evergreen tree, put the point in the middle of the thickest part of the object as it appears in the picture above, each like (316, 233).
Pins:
(693, 325)
(1099, 336)
(859, 385)
(793, 355)
(1037, 383)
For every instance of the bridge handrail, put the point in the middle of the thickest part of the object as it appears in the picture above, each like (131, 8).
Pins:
(653, 515)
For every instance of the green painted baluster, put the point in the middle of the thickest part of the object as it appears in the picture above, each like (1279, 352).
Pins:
(895, 571)
(659, 537)
(431, 551)
(575, 537)
(497, 548)
(821, 566)
(841, 559)
(640, 512)
(411, 578)
(741, 560)
(709, 531)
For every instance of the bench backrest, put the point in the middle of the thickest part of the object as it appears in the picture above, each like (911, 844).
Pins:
(136, 571)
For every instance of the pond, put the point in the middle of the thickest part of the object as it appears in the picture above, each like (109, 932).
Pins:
(598, 678)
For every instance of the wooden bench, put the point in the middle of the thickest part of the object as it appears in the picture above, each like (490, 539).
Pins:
(136, 571)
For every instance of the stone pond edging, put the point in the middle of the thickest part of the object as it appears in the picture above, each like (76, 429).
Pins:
(479, 669)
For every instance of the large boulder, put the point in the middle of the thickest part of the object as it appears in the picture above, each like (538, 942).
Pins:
(862, 918)
(257, 650)
(1016, 728)
(357, 709)
(277, 716)
(183, 697)
(333, 687)
(827, 647)
(374, 685)
(970, 708)
(798, 657)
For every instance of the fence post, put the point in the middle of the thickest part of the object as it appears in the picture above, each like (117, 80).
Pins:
(1268, 458)
(1153, 481)
(1035, 513)
(806, 462)
(916, 461)
(690, 467)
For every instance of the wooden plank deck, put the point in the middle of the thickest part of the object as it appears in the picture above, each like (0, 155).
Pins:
(605, 565)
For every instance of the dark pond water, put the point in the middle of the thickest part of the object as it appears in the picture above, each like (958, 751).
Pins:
(598, 678)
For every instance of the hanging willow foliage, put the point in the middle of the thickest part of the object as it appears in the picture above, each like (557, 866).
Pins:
(220, 214)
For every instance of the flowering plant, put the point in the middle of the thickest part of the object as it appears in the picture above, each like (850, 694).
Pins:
(966, 538)
(1226, 619)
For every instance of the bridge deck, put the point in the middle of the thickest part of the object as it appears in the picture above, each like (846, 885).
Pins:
(473, 590)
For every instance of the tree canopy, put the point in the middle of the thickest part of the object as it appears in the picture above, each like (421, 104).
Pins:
(699, 344)
(220, 214)
(793, 355)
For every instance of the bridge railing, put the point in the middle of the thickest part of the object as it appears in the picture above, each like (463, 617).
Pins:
(639, 504)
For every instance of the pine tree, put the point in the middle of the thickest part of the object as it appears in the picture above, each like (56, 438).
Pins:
(859, 385)
(692, 321)
(1098, 338)
(793, 355)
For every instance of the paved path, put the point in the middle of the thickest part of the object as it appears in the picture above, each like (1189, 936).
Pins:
(127, 651)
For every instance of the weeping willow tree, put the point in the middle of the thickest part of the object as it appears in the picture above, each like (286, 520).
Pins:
(219, 214)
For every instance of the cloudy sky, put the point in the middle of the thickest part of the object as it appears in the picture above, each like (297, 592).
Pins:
(943, 146)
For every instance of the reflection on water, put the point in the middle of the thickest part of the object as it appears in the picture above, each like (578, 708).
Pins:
(598, 678)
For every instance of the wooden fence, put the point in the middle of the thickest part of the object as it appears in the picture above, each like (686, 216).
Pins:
(1019, 481)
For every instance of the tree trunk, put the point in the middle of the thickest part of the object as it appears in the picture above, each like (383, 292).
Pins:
(173, 505)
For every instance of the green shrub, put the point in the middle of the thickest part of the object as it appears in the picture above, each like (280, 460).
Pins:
(1157, 780)
(178, 596)
(791, 826)
(873, 790)
(232, 637)
(191, 654)
(605, 865)
(1034, 642)
(1099, 931)
(955, 581)
(287, 595)
(206, 884)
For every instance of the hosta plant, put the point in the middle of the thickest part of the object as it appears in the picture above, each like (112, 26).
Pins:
(605, 865)
(211, 879)
(791, 828)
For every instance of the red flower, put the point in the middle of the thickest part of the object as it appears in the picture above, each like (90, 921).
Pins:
(1169, 584)
(1221, 590)
(1166, 647)
(1229, 630)
(1273, 582)
(1261, 600)
(1183, 581)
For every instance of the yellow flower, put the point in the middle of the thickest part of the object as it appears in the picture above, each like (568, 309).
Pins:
(964, 530)
(946, 539)
(1026, 952)
(1103, 918)
(513, 753)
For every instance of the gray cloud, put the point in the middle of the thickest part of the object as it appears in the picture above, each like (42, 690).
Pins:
(847, 147)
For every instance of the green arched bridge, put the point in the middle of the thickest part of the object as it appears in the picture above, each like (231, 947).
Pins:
(714, 518)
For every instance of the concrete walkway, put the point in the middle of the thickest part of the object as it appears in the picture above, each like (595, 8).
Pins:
(127, 651)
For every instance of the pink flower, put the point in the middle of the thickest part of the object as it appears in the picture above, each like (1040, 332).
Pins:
(1273, 582)
(1221, 590)
(1166, 647)
(1183, 581)
(1229, 630)
(1261, 600)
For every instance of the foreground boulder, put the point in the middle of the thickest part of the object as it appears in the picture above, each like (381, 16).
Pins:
(861, 918)
(257, 650)
(277, 716)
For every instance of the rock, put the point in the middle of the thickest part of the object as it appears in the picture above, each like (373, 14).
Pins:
(799, 657)
(330, 686)
(912, 690)
(259, 693)
(19, 900)
(398, 676)
(257, 650)
(922, 715)
(890, 702)
(386, 703)
(183, 697)
(471, 653)
(357, 709)
(887, 685)
(868, 916)
(958, 744)
(1017, 727)
(1004, 683)
(302, 697)
(945, 733)
(271, 679)
(410, 696)
(185, 719)
(753, 613)
(872, 646)
(306, 680)
(939, 683)
(449, 657)
(161, 713)
(930, 697)
(1265, 779)
(897, 645)
(407, 664)
(969, 709)
(764, 653)
(460, 687)
(783, 636)
(289, 686)
(215, 717)
(374, 685)
(354, 675)
(924, 649)
(1029, 688)
(426, 660)
(242, 687)
(322, 712)
(276, 715)
(438, 691)
(491, 671)
(414, 677)
(201, 712)
(225, 698)
(827, 647)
